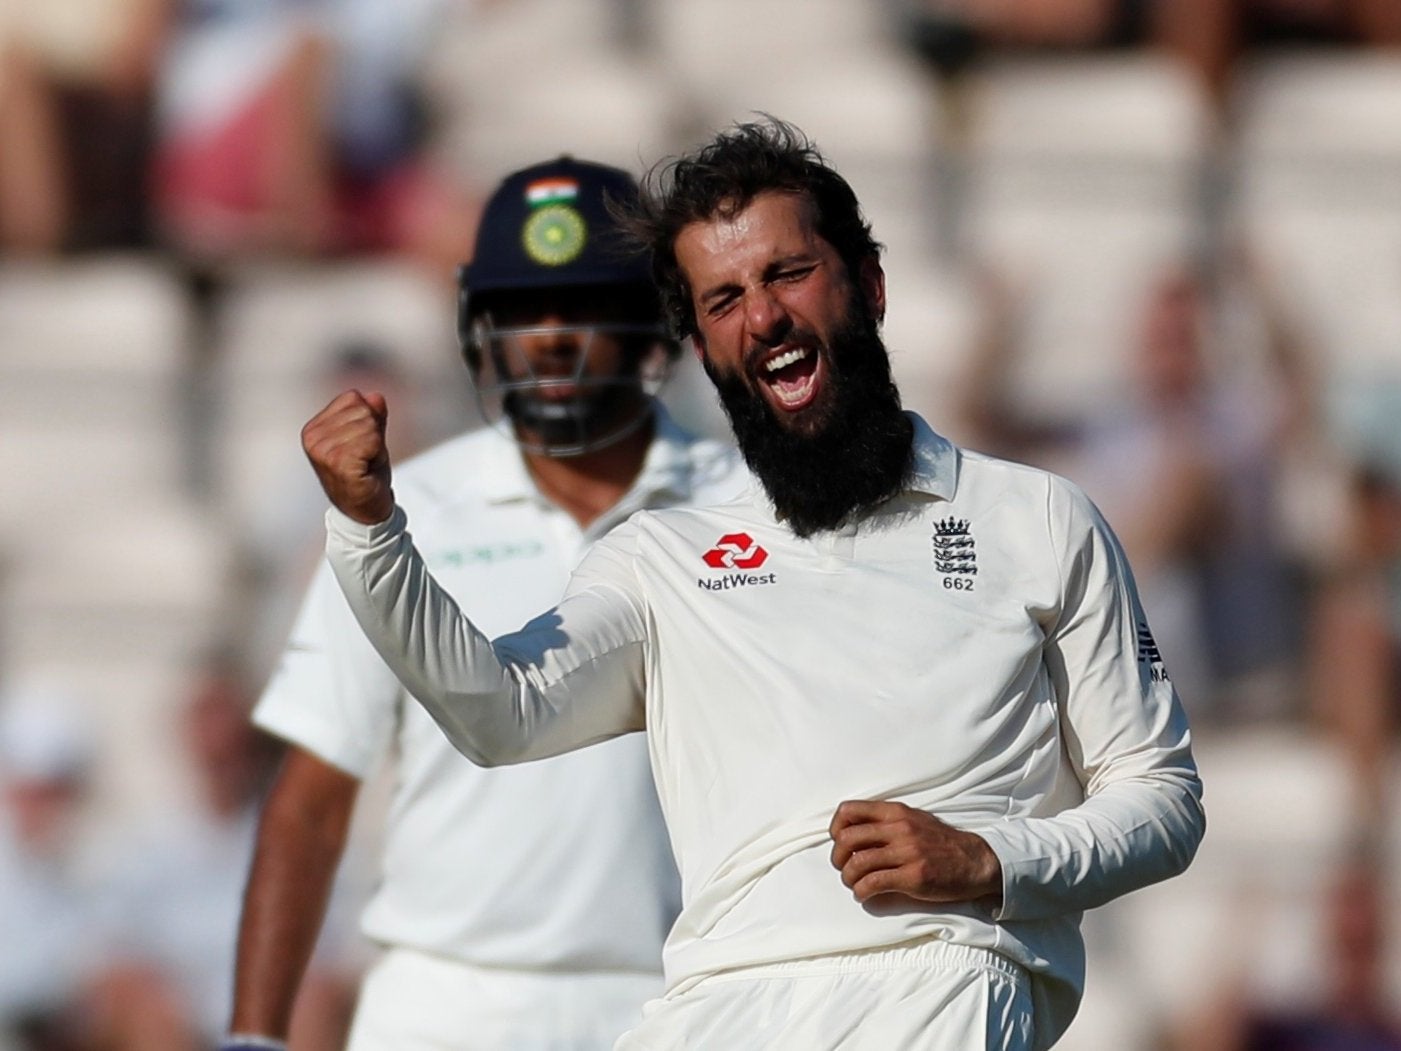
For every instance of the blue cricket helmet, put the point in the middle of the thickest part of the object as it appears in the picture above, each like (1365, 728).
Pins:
(548, 226)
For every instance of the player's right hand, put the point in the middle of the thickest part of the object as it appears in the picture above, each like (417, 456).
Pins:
(346, 447)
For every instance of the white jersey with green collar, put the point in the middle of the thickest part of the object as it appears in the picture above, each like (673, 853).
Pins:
(974, 647)
(559, 866)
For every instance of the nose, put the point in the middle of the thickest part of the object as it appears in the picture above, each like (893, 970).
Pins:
(768, 319)
(552, 335)
(551, 349)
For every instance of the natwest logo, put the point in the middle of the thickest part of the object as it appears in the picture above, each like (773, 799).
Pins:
(735, 551)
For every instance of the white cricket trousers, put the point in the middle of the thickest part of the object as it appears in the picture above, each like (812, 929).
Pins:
(414, 1001)
(931, 996)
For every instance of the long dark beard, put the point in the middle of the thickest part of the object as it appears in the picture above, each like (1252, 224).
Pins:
(858, 453)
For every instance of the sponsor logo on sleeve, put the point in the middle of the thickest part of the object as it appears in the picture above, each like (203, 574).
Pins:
(1149, 656)
(738, 553)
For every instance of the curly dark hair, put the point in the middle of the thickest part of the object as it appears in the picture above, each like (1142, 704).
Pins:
(720, 179)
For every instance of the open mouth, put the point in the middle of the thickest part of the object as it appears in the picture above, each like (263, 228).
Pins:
(792, 377)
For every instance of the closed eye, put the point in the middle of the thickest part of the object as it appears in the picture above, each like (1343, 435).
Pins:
(720, 305)
(791, 274)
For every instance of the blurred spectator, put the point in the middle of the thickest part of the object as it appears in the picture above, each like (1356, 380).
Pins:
(171, 910)
(951, 34)
(1212, 36)
(1186, 468)
(1357, 631)
(75, 113)
(45, 757)
(1352, 1009)
(295, 126)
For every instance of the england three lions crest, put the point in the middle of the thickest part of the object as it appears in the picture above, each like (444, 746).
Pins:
(955, 553)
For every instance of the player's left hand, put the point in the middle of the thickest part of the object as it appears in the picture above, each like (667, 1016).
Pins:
(891, 848)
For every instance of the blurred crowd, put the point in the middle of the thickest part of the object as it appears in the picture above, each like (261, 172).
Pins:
(1154, 245)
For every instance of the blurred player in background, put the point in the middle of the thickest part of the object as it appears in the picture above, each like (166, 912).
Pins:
(521, 908)
(905, 711)
(47, 753)
(169, 909)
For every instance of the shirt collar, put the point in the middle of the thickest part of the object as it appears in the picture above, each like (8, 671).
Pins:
(665, 474)
(936, 461)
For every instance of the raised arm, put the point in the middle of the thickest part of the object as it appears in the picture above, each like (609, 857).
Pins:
(571, 677)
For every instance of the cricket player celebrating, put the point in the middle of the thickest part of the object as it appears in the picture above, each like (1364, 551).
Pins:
(906, 718)
(520, 908)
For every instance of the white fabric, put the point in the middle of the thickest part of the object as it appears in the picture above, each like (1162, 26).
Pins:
(411, 1001)
(933, 996)
(550, 866)
(1015, 700)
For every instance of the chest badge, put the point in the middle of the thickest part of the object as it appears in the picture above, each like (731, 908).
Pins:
(955, 553)
(737, 553)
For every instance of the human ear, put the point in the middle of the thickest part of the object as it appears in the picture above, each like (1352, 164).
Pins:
(871, 277)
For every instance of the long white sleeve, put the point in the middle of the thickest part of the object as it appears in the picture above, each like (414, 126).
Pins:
(570, 677)
(1125, 735)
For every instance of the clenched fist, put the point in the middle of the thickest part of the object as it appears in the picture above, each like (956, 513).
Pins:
(345, 444)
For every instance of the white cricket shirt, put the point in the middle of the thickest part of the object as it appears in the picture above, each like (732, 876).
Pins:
(974, 647)
(561, 865)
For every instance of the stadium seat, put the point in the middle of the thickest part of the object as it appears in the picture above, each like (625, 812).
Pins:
(127, 581)
(116, 605)
(1317, 166)
(95, 362)
(516, 83)
(278, 333)
(478, 43)
(613, 109)
(93, 320)
(840, 76)
(59, 471)
(716, 48)
(1317, 106)
(874, 116)
(1080, 182)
